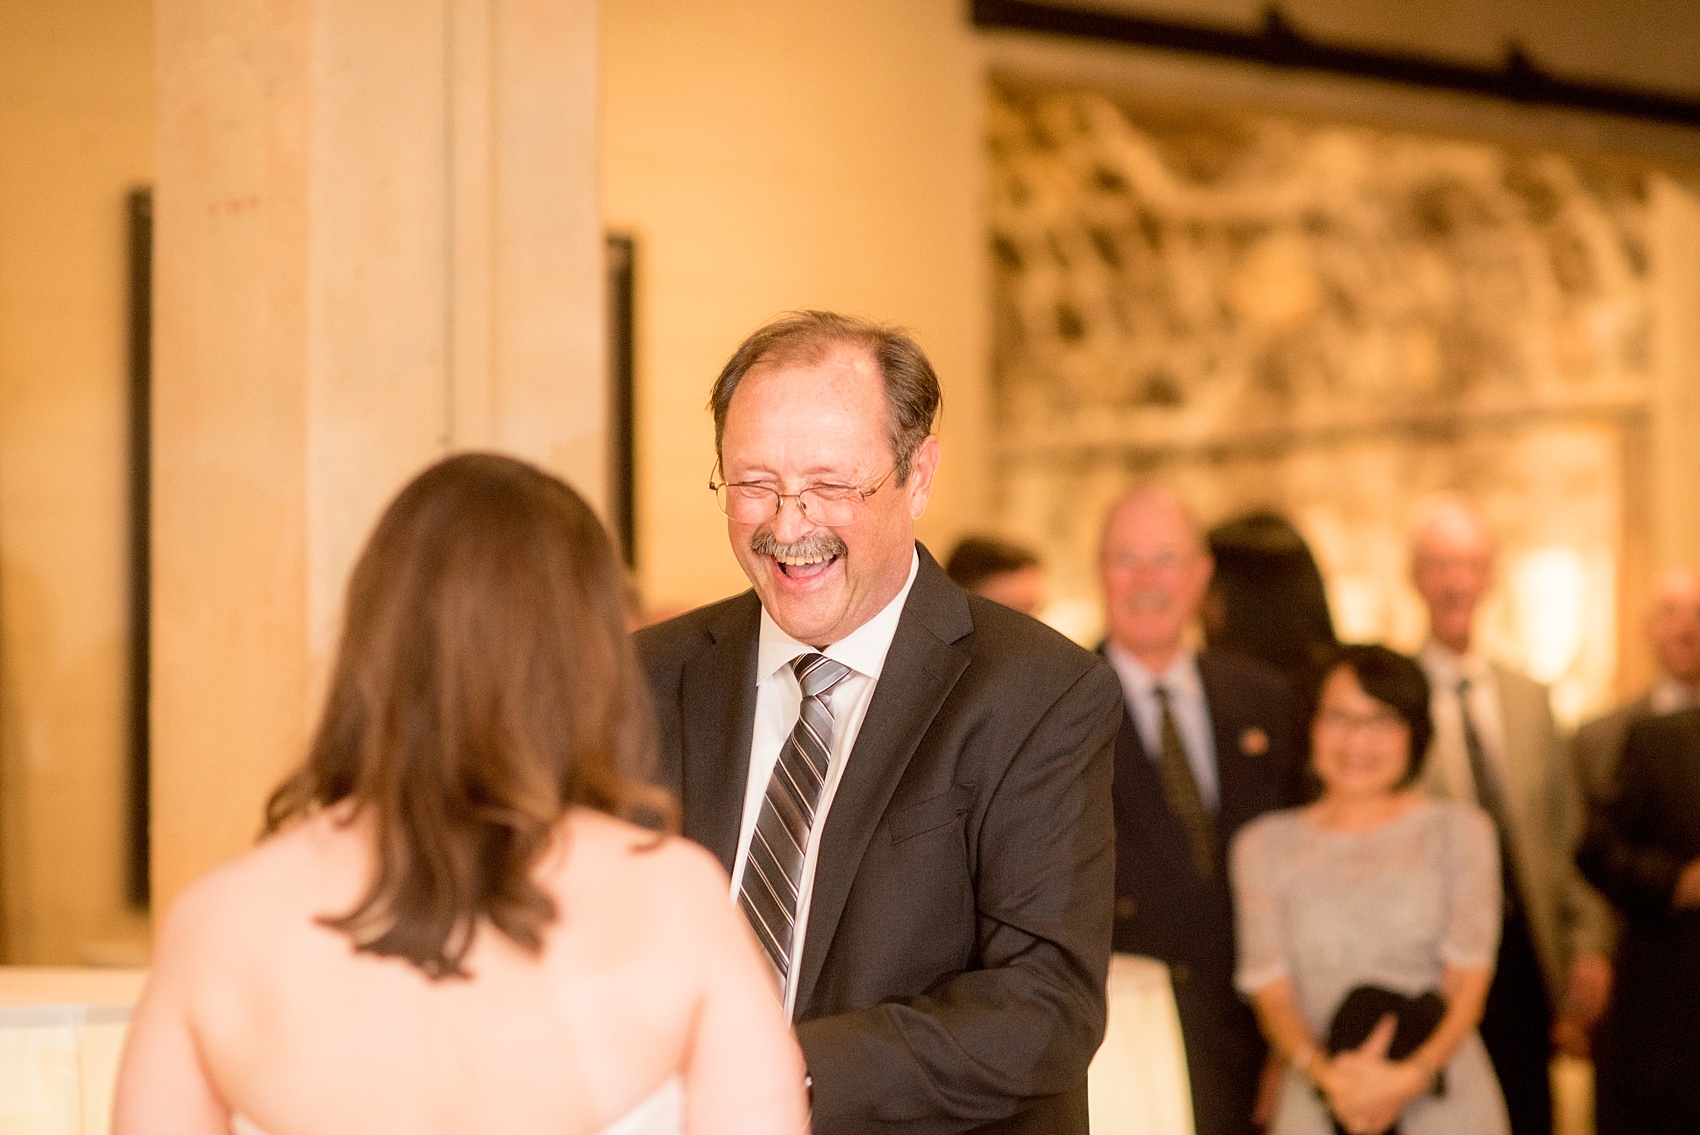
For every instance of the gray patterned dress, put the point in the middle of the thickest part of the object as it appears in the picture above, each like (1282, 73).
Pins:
(1391, 907)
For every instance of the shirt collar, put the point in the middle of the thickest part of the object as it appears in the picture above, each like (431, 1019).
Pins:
(1180, 677)
(863, 649)
(1446, 667)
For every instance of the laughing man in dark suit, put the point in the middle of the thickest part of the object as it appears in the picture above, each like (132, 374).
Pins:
(1207, 744)
(909, 785)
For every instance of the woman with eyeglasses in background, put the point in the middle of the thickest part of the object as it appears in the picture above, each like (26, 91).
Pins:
(1368, 924)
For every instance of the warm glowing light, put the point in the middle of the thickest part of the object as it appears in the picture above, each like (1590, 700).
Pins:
(1549, 587)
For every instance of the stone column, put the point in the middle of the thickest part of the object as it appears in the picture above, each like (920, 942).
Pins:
(377, 242)
(1675, 402)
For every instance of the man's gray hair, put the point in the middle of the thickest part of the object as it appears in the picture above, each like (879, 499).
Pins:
(912, 394)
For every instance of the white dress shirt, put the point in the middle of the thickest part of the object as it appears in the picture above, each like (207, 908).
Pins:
(778, 700)
(1186, 704)
(1669, 695)
(1445, 669)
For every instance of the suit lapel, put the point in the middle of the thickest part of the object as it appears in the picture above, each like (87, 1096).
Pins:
(1522, 727)
(1226, 727)
(719, 701)
(921, 668)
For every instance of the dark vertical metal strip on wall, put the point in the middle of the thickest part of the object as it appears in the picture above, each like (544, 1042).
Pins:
(139, 867)
(621, 256)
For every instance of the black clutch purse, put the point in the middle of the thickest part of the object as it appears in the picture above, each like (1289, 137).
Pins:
(1364, 1007)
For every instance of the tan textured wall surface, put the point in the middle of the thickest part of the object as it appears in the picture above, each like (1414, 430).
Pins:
(76, 133)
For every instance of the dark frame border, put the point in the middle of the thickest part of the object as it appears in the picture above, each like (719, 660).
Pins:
(139, 228)
(620, 260)
(1519, 79)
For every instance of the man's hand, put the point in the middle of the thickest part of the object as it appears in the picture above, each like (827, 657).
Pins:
(1687, 894)
(1585, 1000)
(1365, 1090)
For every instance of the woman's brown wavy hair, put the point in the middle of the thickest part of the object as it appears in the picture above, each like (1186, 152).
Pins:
(484, 685)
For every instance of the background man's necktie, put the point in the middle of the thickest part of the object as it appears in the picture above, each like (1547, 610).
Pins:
(1488, 794)
(1182, 792)
(773, 869)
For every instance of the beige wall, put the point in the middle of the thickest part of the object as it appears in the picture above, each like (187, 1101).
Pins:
(771, 155)
(1675, 505)
(76, 132)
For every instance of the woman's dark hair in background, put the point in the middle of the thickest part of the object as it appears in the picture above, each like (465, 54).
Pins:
(979, 558)
(484, 685)
(1398, 683)
(1266, 598)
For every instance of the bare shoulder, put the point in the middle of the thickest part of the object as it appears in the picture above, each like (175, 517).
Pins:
(598, 842)
(222, 916)
(244, 880)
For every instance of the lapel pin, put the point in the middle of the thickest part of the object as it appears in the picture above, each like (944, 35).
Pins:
(1254, 742)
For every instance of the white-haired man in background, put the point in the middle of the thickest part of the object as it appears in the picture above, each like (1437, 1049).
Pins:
(1496, 745)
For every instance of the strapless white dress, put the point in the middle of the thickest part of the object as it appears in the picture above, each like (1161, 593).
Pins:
(662, 1112)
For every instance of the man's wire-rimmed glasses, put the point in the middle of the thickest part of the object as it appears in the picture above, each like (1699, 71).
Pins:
(751, 502)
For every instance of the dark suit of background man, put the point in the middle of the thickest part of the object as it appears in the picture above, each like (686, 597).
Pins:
(1643, 851)
(1495, 745)
(944, 941)
(1673, 625)
(1206, 744)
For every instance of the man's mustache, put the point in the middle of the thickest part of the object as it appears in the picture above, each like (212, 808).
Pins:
(819, 544)
(1149, 602)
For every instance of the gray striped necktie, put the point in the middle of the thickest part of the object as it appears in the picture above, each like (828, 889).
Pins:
(773, 869)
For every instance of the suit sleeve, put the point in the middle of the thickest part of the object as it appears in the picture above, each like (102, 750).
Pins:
(1025, 1016)
(1619, 854)
(1594, 755)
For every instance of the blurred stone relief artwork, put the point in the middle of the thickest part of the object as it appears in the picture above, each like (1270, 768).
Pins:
(1335, 321)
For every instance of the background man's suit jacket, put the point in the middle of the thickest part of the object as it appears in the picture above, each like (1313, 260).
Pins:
(1543, 803)
(1635, 849)
(1598, 747)
(952, 978)
(1165, 911)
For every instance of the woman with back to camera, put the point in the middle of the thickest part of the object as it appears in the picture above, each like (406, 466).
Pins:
(451, 925)
(1368, 924)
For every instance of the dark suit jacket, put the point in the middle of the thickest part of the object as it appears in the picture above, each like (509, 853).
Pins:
(1165, 911)
(952, 979)
(1598, 746)
(1635, 848)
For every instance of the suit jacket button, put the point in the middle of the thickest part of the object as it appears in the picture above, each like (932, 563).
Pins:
(1125, 907)
(1179, 973)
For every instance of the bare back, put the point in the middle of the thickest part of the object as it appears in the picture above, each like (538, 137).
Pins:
(646, 974)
